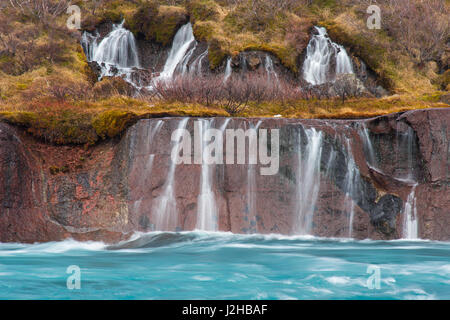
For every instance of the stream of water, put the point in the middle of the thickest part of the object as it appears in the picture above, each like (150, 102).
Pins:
(202, 265)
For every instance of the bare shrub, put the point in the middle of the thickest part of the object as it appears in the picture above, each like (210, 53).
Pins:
(43, 10)
(234, 94)
(109, 86)
(421, 27)
(346, 86)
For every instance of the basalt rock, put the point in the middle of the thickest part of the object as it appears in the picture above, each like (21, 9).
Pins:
(357, 181)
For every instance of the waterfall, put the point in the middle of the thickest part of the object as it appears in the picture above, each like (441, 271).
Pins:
(180, 52)
(405, 141)
(207, 216)
(410, 223)
(227, 70)
(268, 63)
(322, 55)
(166, 206)
(197, 64)
(147, 148)
(251, 186)
(116, 54)
(351, 181)
(367, 145)
(308, 180)
(89, 44)
(243, 64)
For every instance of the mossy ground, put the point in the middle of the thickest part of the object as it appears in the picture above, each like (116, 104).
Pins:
(90, 122)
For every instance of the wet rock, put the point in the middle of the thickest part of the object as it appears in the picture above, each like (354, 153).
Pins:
(383, 215)
(116, 190)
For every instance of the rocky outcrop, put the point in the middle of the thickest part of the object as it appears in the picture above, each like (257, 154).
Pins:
(355, 183)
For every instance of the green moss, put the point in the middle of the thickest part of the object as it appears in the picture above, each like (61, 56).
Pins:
(286, 54)
(203, 10)
(216, 53)
(204, 30)
(167, 22)
(443, 81)
(157, 23)
(55, 170)
(111, 123)
(432, 97)
(64, 127)
(22, 86)
(20, 118)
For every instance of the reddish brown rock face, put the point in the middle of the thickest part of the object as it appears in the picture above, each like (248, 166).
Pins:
(335, 179)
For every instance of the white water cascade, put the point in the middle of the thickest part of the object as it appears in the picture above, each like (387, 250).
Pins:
(351, 181)
(116, 54)
(227, 70)
(270, 70)
(183, 46)
(410, 225)
(368, 145)
(166, 206)
(308, 180)
(207, 216)
(404, 160)
(324, 59)
(196, 67)
(251, 184)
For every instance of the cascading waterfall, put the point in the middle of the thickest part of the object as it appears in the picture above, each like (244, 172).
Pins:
(207, 217)
(243, 64)
(166, 207)
(410, 220)
(180, 52)
(268, 63)
(351, 177)
(308, 180)
(152, 131)
(251, 187)
(89, 44)
(322, 55)
(143, 141)
(404, 141)
(367, 144)
(116, 54)
(410, 225)
(196, 68)
(227, 70)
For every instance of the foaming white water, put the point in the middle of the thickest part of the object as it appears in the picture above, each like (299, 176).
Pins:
(116, 54)
(410, 225)
(322, 55)
(166, 206)
(180, 52)
(308, 180)
(50, 247)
